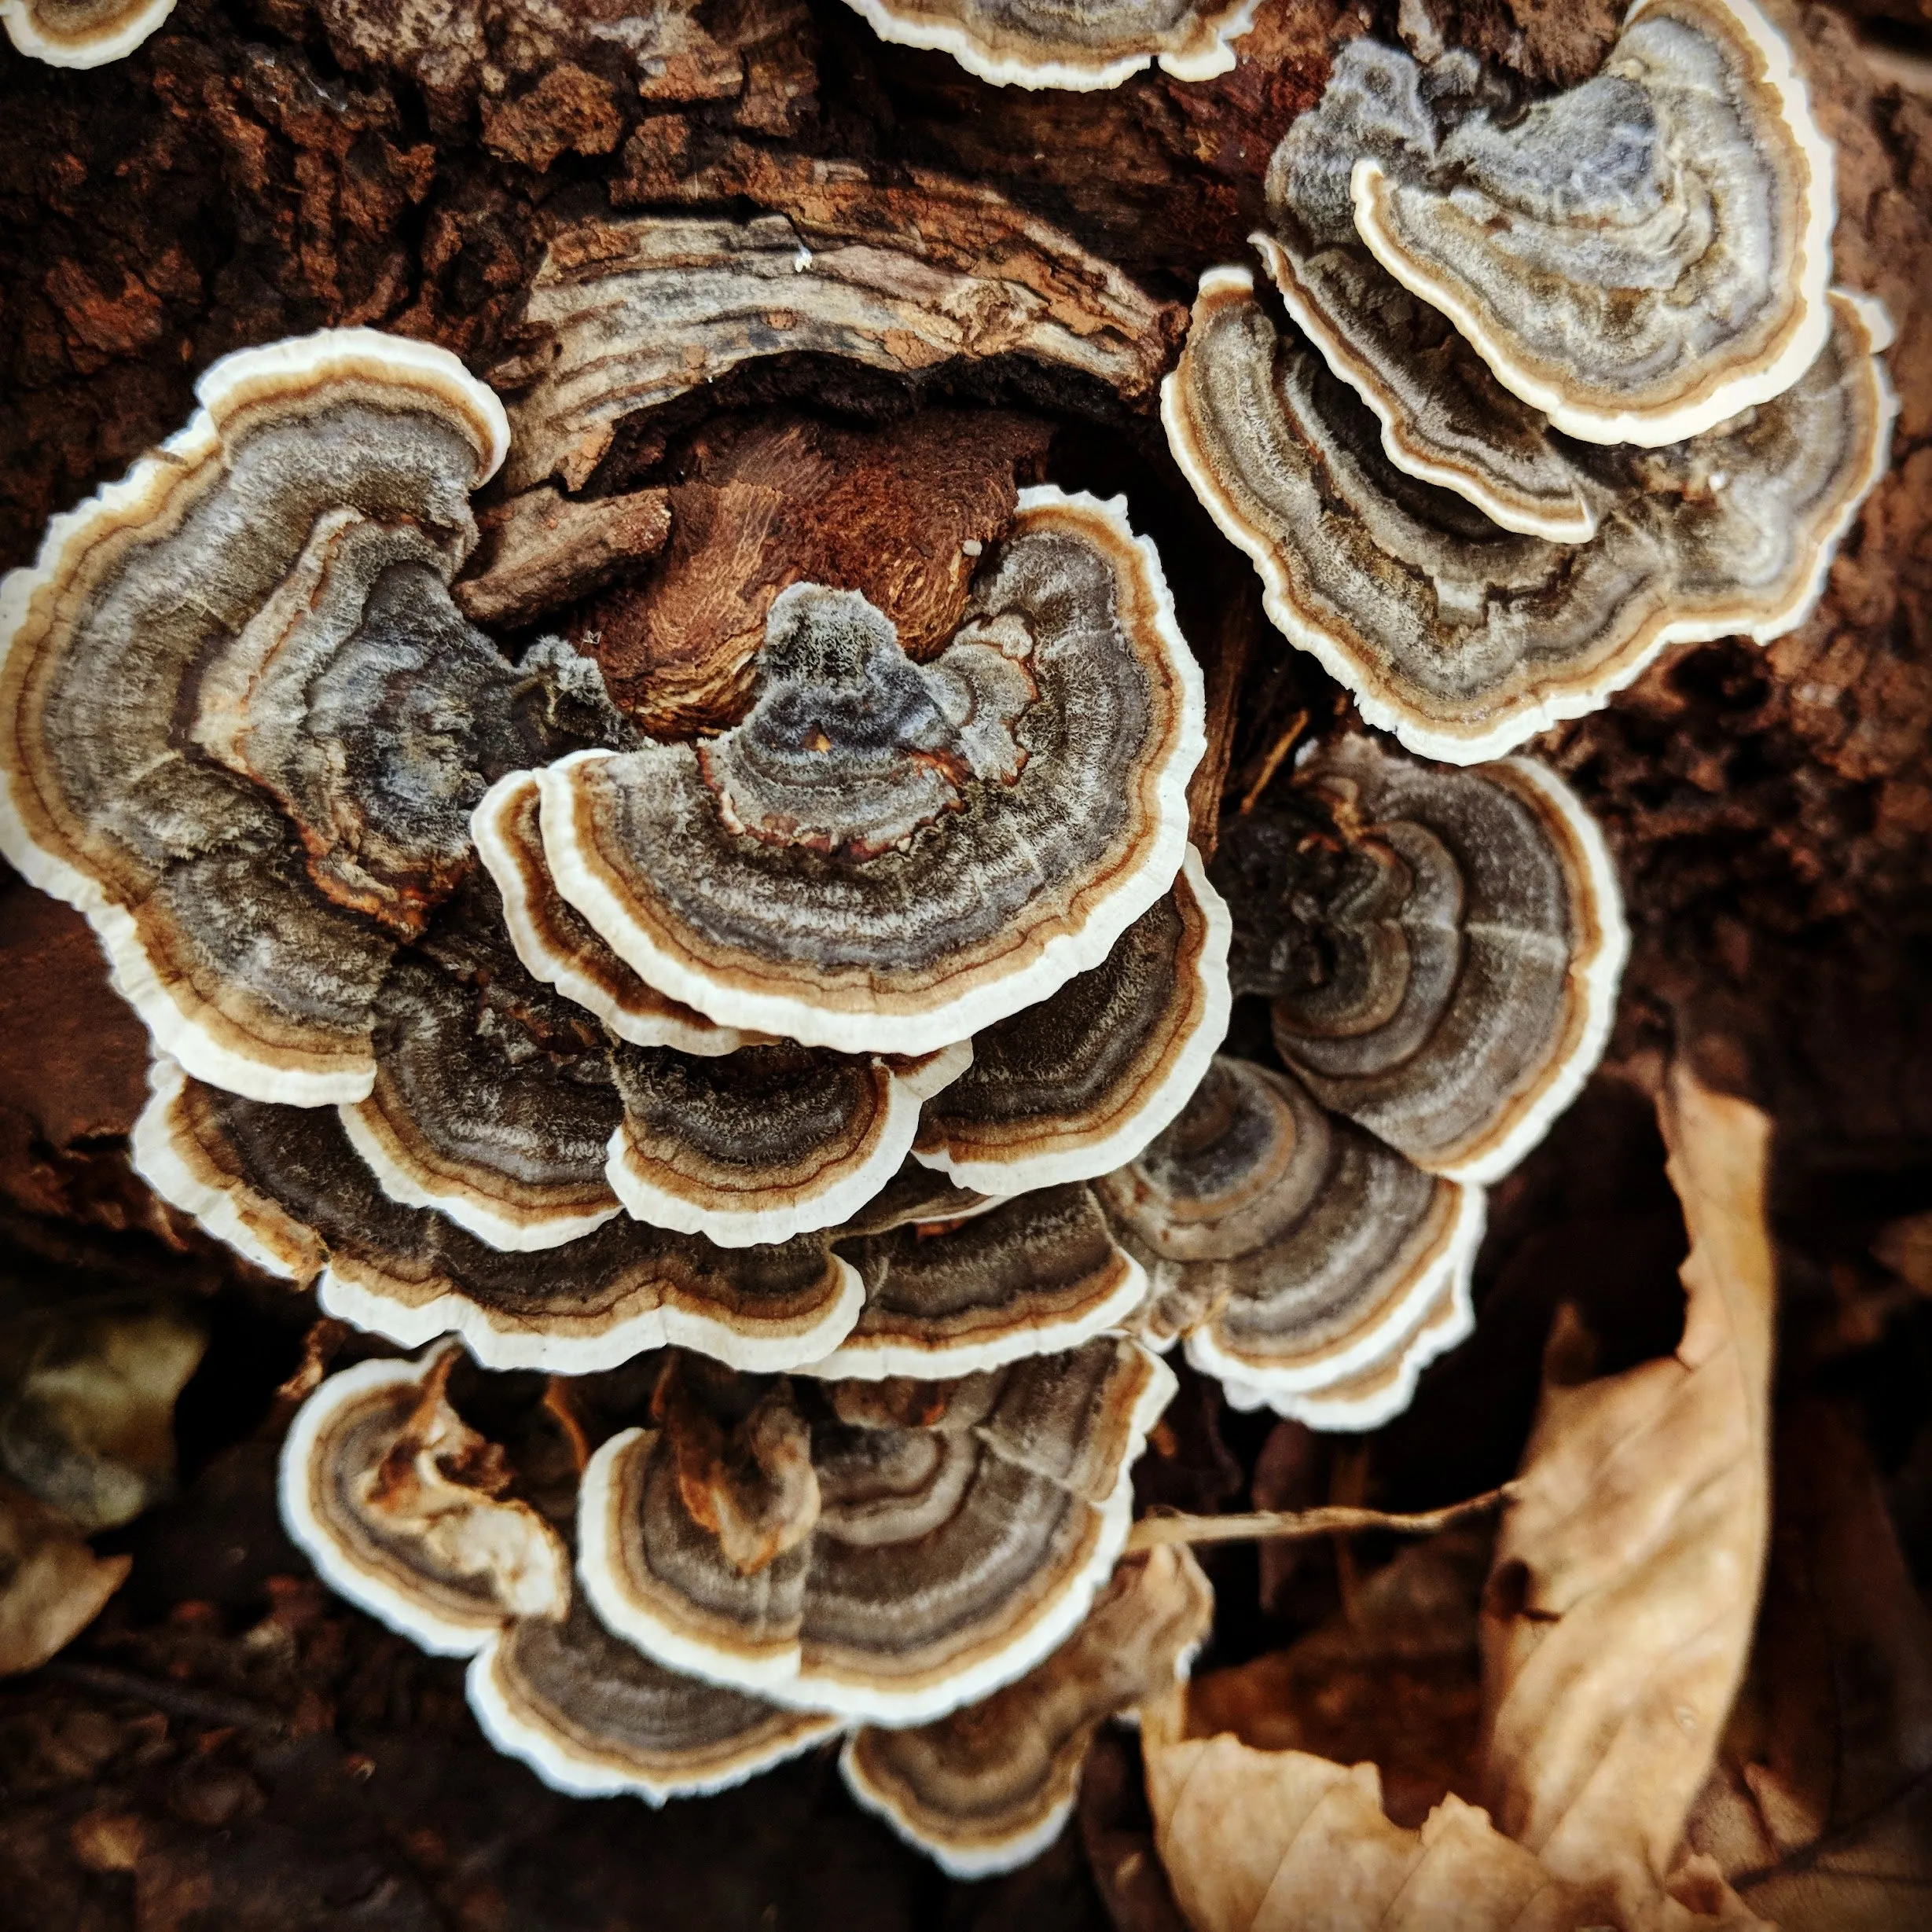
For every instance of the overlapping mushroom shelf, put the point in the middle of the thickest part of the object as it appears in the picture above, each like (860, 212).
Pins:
(1559, 382)
(766, 1548)
(1441, 949)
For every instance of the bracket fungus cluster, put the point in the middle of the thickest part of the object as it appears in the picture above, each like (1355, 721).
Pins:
(1442, 950)
(763, 1530)
(242, 724)
(809, 1054)
(1562, 382)
(775, 1068)
(1092, 44)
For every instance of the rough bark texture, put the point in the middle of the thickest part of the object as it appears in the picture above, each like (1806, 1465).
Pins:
(229, 1747)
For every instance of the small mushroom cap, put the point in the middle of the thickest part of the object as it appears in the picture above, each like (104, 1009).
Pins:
(1029, 1276)
(1377, 1390)
(962, 1529)
(400, 1505)
(768, 1142)
(81, 33)
(989, 1787)
(1473, 939)
(557, 945)
(222, 933)
(1463, 639)
(283, 1185)
(493, 1102)
(592, 1716)
(1294, 1251)
(1090, 44)
(1074, 1086)
(1642, 256)
(1035, 830)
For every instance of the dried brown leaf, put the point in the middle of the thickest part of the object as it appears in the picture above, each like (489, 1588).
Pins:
(1820, 1808)
(1619, 1613)
(1286, 1841)
(52, 1586)
(1616, 1624)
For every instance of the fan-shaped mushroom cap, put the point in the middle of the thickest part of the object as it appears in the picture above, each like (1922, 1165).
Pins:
(284, 1186)
(81, 33)
(1445, 964)
(989, 1787)
(886, 856)
(399, 1504)
(916, 1193)
(557, 944)
(768, 1142)
(1460, 638)
(1027, 1277)
(1444, 416)
(1293, 1250)
(1074, 1086)
(493, 1102)
(1641, 257)
(1369, 1396)
(269, 588)
(507, 1108)
(1090, 44)
(592, 1716)
(949, 1535)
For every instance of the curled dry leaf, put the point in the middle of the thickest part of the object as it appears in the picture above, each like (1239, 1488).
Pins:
(87, 1405)
(1614, 1630)
(52, 1586)
(1620, 1610)
(1819, 1810)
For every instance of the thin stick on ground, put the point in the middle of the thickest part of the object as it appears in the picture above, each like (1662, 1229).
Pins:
(1151, 1531)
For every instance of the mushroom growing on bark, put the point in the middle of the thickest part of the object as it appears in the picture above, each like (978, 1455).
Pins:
(885, 856)
(284, 1186)
(888, 1551)
(1027, 1277)
(555, 942)
(1579, 387)
(400, 1505)
(1311, 1268)
(1067, 1088)
(1088, 44)
(1444, 417)
(1461, 637)
(769, 1141)
(1641, 257)
(1443, 947)
(593, 1717)
(991, 1786)
(242, 725)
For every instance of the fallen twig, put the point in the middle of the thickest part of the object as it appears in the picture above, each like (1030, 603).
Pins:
(1150, 1531)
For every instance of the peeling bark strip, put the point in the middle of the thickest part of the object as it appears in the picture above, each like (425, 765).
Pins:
(628, 315)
